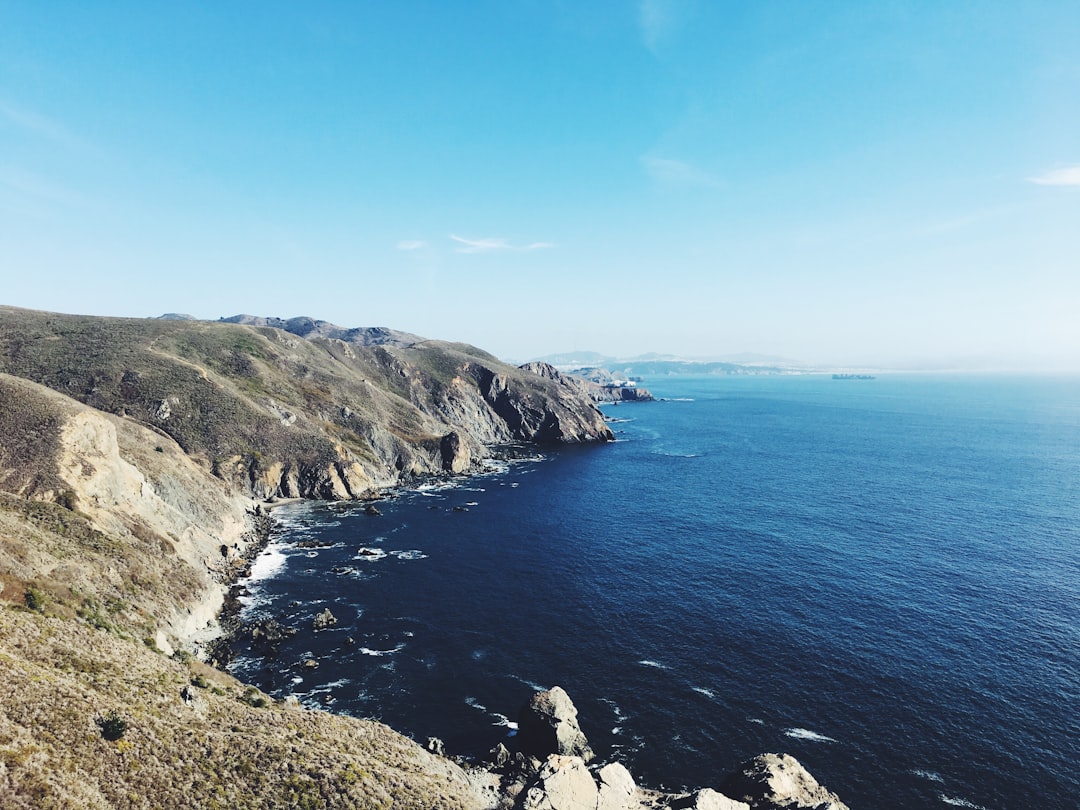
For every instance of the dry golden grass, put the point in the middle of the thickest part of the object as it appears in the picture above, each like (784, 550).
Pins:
(59, 677)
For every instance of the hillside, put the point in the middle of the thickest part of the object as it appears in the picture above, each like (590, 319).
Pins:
(133, 458)
(275, 414)
(136, 457)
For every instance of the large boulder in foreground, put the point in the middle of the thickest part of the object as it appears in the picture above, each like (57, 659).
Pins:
(548, 725)
(563, 783)
(779, 782)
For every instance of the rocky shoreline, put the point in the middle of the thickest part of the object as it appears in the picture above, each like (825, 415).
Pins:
(548, 768)
(549, 763)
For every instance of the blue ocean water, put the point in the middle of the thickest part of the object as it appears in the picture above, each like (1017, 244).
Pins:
(880, 577)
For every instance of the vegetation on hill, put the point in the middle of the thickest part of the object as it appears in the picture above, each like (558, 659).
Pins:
(131, 452)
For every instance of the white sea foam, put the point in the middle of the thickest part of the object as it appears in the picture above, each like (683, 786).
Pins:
(656, 664)
(371, 554)
(476, 704)
(268, 563)
(806, 734)
(756, 720)
(369, 651)
(930, 775)
(313, 554)
(413, 554)
(701, 690)
(531, 684)
(958, 802)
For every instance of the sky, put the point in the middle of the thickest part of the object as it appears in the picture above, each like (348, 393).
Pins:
(888, 184)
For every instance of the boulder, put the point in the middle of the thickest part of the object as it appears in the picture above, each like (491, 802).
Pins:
(708, 799)
(324, 620)
(779, 782)
(617, 788)
(548, 725)
(563, 783)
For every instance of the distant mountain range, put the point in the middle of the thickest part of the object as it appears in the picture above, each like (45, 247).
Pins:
(657, 365)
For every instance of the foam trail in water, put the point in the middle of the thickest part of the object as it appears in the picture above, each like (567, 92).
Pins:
(412, 554)
(369, 651)
(655, 664)
(701, 690)
(933, 777)
(957, 802)
(531, 684)
(806, 734)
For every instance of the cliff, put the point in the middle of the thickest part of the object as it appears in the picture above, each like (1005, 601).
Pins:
(327, 413)
(130, 454)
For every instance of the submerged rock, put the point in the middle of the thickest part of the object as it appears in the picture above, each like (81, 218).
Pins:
(548, 725)
(324, 620)
(779, 782)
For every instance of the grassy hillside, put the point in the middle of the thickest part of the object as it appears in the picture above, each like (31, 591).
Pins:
(130, 455)
(282, 415)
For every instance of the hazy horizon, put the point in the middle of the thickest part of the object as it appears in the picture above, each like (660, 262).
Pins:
(893, 186)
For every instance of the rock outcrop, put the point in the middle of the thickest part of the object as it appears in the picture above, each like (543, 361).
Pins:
(563, 783)
(548, 772)
(779, 782)
(548, 725)
(313, 412)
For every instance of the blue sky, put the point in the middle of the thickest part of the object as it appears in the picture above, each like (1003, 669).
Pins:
(893, 183)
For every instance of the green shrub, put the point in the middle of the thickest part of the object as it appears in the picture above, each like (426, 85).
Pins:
(35, 599)
(112, 725)
(252, 697)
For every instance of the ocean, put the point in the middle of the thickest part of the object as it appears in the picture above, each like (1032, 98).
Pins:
(880, 577)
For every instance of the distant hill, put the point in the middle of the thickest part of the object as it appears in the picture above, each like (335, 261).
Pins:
(661, 365)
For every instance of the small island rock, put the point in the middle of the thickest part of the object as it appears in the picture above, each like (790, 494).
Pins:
(548, 725)
(779, 782)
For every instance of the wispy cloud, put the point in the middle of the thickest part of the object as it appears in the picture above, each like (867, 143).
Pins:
(42, 127)
(493, 245)
(1068, 176)
(411, 244)
(33, 188)
(676, 172)
(658, 19)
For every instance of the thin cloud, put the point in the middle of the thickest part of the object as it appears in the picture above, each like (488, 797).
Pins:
(1068, 176)
(493, 245)
(411, 244)
(658, 19)
(676, 172)
(42, 127)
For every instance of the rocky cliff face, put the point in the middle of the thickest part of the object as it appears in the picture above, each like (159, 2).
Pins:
(299, 408)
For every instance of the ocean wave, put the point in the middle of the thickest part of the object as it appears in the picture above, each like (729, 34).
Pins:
(531, 684)
(412, 554)
(655, 664)
(379, 653)
(930, 775)
(701, 690)
(958, 802)
(370, 554)
(268, 563)
(806, 734)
